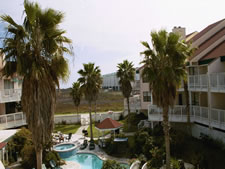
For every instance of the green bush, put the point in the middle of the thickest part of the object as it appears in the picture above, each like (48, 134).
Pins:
(111, 164)
(51, 155)
(131, 122)
(21, 138)
(28, 156)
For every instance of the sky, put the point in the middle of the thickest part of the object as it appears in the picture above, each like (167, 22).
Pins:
(107, 32)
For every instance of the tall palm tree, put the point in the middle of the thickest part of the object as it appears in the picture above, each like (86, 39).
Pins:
(164, 64)
(90, 81)
(76, 94)
(126, 73)
(34, 50)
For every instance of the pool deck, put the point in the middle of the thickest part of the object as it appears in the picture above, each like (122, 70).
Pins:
(78, 139)
(71, 165)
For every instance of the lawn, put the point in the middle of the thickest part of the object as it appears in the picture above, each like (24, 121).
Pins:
(66, 129)
(95, 132)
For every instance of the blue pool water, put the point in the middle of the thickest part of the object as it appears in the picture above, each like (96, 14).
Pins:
(64, 147)
(87, 161)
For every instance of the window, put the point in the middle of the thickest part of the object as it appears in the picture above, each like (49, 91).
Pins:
(147, 97)
(144, 78)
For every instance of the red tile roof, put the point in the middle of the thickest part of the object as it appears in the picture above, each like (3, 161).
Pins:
(3, 144)
(109, 123)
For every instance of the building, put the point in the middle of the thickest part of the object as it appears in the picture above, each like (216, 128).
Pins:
(110, 81)
(206, 85)
(10, 96)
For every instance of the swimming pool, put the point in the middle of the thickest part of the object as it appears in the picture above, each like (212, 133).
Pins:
(89, 161)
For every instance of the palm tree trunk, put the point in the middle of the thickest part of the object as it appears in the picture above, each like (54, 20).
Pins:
(77, 111)
(187, 100)
(95, 109)
(90, 121)
(187, 106)
(128, 105)
(39, 158)
(166, 129)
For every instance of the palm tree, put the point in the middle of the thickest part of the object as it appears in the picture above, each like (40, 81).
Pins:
(76, 94)
(90, 81)
(126, 73)
(164, 64)
(35, 51)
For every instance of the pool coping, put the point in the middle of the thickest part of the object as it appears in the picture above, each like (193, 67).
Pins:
(103, 156)
(66, 150)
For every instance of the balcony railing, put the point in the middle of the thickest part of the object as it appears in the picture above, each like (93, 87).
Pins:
(12, 120)
(217, 82)
(10, 95)
(135, 104)
(198, 82)
(201, 82)
(214, 118)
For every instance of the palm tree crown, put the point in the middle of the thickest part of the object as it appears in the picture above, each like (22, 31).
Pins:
(76, 94)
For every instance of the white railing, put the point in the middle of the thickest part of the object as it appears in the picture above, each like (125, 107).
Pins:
(10, 95)
(12, 120)
(198, 82)
(135, 104)
(217, 81)
(213, 118)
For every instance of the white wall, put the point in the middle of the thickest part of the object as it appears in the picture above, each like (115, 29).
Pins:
(197, 130)
(218, 100)
(69, 119)
(216, 66)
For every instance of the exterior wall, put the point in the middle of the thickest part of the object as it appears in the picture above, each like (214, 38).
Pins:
(2, 108)
(144, 87)
(203, 99)
(197, 130)
(217, 100)
(216, 66)
(110, 81)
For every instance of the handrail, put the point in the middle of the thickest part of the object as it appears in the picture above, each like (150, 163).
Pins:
(12, 120)
(200, 114)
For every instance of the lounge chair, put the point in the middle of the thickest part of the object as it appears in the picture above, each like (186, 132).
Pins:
(54, 165)
(69, 137)
(84, 145)
(92, 145)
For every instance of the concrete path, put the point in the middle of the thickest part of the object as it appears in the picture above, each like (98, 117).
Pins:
(79, 131)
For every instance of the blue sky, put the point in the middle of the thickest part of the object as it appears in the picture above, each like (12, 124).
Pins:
(108, 31)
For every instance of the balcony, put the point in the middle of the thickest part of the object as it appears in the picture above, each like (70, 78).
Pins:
(12, 120)
(214, 118)
(10, 95)
(198, 82)
(201, 82)
(135, 104)
(217, 82)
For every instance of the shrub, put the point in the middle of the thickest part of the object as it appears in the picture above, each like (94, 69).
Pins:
(28, 156)
(111, 164)
(51, 155)
(22, 137)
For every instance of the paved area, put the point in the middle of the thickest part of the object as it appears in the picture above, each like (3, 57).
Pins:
(71, 164)
(79, 131)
